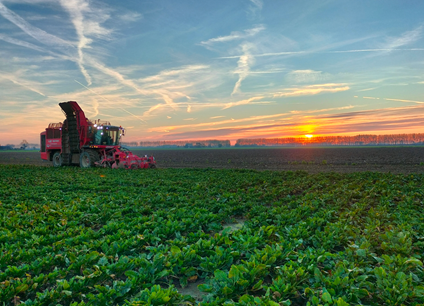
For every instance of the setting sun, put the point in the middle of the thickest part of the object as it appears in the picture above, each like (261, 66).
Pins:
(309, 136)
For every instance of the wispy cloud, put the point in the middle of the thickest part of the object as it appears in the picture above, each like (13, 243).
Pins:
(307, 76)
(38, 34)
(84, 27)
(305, 52)
(405, 39)
(376, 50)
(130, 16)
(75, 9)
(368, 89)
(371, 98)
(390, 120)
(255, 8)
(234, 36)
(171, 73)
(312, 90)
(21, 43)
(244, 102)
(26, 84)
(243, 66)
(257, 3)
(406, 101)
(269, 54)
(232, 121)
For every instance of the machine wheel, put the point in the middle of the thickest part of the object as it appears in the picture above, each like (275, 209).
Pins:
(88, 158)
(57, 160)
(152, 166)
(134, 166)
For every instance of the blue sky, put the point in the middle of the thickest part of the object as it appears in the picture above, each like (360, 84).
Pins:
(173, 70)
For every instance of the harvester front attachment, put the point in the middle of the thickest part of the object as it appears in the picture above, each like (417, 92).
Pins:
(125, 159)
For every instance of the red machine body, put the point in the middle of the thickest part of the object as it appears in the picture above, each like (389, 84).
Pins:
(80, 141)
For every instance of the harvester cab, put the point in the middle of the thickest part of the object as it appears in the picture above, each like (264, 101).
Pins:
(106, 135)
(81, 141)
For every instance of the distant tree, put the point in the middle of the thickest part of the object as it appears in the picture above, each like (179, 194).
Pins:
(24, 144)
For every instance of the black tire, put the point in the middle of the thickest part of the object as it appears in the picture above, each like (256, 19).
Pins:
(134, 166)
(88, 159)
(152, 166)
(57, 160)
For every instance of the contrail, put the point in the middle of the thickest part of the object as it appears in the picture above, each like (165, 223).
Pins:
(111, 102)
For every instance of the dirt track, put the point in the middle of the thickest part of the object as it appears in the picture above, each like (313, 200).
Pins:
(313, 160)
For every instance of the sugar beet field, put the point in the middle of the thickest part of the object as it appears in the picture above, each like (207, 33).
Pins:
(190, 236)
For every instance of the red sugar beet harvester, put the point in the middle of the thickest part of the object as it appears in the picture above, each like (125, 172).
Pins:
(81, 141)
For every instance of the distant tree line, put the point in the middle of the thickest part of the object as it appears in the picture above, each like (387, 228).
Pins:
(24, 145)
(358, 140)
(180, 143)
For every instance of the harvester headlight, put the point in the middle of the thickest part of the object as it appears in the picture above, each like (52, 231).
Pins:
(95, 125)
(101, 133)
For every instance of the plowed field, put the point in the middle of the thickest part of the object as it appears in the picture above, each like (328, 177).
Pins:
(312, 160)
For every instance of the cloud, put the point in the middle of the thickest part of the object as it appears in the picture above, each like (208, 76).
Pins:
(36, 48)
(25, 84)
(75, 9)
(269, 54)
(406, 101)
(21, 43)
(243, 102)
(38, 34)
(247, 119)
(86, 22)
(303, 52)
(45, 38)
(405, 39)
(368, 89)
(171, 73)
(322, 110)
(131, 84)
(257, 3)
(393, 120)
(312, 90)
(243, 66)
(34, 59)
(96, 104)
(371, 98)
(255, 8)
(234, 36)
(130, 16)
(84, 27)
(307, 76)
(374, 50)
(216, 117)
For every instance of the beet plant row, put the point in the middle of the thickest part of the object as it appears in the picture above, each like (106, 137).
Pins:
(115, 237)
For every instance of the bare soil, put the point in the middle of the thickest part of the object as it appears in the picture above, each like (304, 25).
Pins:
(313, 160)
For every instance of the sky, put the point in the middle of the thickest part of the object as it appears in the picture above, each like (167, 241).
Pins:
(190, 69)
